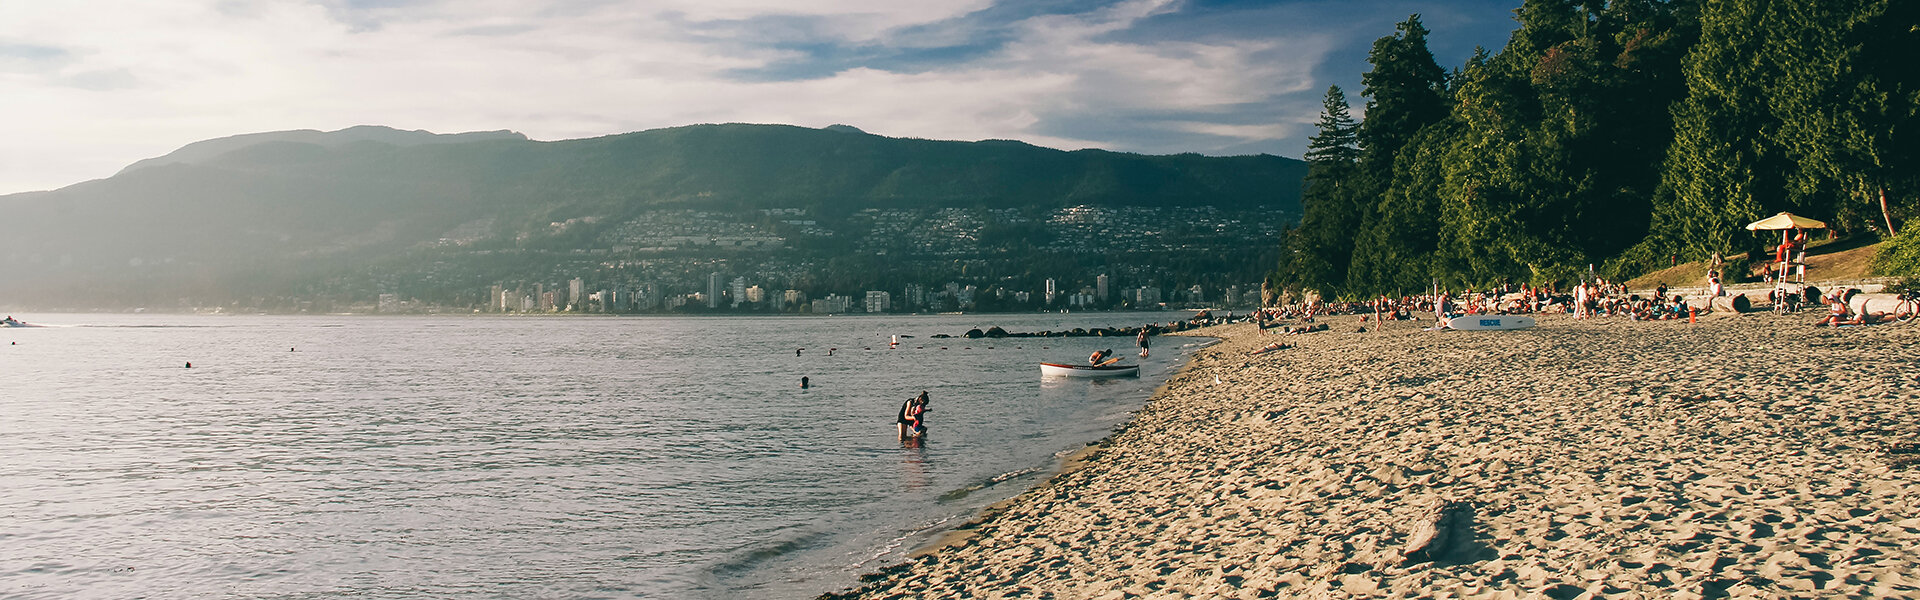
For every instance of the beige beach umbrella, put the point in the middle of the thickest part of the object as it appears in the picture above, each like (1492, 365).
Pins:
(1783, 221)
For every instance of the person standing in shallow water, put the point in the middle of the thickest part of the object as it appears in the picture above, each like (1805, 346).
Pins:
(1141, 340)
(912, 420)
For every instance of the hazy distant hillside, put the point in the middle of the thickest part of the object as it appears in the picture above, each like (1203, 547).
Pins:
(288, 201)
(208, 150)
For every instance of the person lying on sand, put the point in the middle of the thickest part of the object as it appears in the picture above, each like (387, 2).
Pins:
(1270, 348)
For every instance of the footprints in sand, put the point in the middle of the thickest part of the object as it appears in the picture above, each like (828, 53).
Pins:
(1578, 461)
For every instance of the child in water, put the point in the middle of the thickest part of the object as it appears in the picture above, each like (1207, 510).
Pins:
(912, 420)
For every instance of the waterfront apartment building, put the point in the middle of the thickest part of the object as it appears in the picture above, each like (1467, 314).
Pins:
(914, 297)
(1143, 297)
(832, 304)
(878, 301)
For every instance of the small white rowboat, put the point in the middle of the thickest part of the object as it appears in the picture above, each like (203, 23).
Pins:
(1060, 370)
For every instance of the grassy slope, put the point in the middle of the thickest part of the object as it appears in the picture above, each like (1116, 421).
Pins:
(1840, 260)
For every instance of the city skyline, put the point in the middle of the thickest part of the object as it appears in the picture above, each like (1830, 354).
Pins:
(746, 294)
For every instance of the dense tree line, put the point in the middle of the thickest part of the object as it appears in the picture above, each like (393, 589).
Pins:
(1610, 138)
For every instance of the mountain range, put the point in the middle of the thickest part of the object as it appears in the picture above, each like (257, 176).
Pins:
(291, 212)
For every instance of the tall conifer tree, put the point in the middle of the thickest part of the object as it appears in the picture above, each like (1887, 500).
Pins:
(1317, 253)
(1406, 93)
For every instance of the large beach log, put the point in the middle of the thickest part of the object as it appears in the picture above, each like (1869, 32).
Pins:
(1736, 303)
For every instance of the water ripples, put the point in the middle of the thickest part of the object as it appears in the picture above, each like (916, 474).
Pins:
(501, 457)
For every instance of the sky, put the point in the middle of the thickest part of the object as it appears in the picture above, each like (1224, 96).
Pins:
(90, 86)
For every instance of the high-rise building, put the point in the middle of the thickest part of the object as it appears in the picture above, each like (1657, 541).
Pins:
(577, 294)
(1052, 291)
(648, 297)
(1100, 287)
(496, 298)
(913, 297)
(739, 289)
(714, 282)
(878, 301)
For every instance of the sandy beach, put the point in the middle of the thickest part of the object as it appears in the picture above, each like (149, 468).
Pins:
(1741, 456)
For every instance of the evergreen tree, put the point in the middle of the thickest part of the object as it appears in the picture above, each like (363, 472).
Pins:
(1846, 95)
(1317, 253)
(1612, 131)
(1406, 92)
(1720, 170)
(1397, 253)
(1338, 142)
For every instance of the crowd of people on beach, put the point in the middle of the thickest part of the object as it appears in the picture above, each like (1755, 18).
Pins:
(1596, 298)
(1593, 299)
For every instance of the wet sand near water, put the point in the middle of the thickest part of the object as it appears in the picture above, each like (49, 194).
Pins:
(1742, 456)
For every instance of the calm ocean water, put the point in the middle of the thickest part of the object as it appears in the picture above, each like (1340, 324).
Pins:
(498, 457)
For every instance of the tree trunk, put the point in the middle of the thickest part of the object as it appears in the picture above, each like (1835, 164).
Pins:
(1884, 214)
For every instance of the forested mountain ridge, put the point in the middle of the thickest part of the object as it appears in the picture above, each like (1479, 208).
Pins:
(291, 211)
(1611, 138)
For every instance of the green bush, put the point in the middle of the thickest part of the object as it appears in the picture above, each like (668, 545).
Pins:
(1900, 256)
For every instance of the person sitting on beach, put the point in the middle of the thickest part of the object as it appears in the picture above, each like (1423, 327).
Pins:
(1838, 311)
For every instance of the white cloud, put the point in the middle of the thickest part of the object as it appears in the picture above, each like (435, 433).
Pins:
(110, 83)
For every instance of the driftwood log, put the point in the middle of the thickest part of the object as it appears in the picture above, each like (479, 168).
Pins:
(1439, 531)
(1737, 303)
